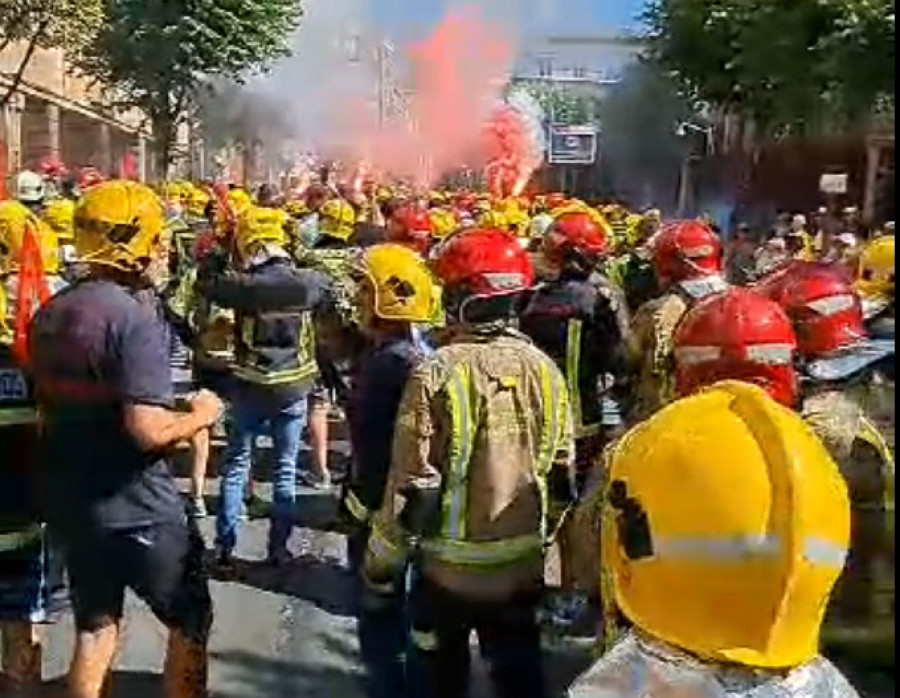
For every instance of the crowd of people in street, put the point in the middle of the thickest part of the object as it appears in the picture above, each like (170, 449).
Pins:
(697, 432)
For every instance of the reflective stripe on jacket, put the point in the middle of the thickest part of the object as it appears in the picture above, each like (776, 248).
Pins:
(484, 421)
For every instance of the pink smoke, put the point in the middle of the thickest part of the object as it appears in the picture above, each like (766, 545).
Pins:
(511, 152)
(459, 74)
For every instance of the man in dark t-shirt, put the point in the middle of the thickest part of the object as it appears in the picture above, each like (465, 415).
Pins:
(101, 367)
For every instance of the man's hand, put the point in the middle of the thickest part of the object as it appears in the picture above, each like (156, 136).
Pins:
(207, 406)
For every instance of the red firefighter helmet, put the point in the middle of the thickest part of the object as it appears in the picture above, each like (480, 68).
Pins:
(411, 227)
(52, 168)
(205, 245)
(89, 177)
(738, 334)
(822, 304)
(575, 234)
(484, 263)
(686, 250)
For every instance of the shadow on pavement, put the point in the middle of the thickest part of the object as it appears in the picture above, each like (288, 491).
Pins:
(127, 684)
(251, 675)
(323, 583)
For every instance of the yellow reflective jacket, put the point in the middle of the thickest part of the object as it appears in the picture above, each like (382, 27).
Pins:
(486, 422)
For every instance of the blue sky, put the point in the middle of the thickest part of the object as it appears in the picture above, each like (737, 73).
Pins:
(401, 17)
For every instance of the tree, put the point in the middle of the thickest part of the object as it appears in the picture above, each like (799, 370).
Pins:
(157, 54)
(64, 24)
(790, 65)
(562, 104)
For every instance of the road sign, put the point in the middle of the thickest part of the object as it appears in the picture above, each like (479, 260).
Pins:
(572, 145)
(833, 183)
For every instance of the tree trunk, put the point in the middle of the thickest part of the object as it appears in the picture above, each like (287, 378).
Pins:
(163, 137)
(23, 64)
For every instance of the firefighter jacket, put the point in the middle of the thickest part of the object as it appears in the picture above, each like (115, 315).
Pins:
(579, 323)
(865, 594)
(274, 342)
(633, 274)
(483, 447)
(379, 378)
(653, 334)
(638, 666)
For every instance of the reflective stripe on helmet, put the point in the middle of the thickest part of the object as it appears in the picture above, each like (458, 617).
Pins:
(691, 356)
(832, 305)
(770, 354)
(573, 368)
(816, 550)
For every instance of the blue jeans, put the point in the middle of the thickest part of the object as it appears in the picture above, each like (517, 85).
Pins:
(285, 424)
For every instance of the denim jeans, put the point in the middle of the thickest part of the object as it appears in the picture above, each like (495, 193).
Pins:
(285, 425)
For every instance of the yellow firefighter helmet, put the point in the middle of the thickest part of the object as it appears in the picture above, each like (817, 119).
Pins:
(725, 527)
(119, 224)
(199, 200)
(337, 219)
(260, 226)
(402, 287)
(60, 215)
(443, 221)
(875, 277)
(15, 220)
(240, 201)
(492, 219)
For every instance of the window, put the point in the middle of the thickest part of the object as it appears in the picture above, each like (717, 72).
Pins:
(545, 67)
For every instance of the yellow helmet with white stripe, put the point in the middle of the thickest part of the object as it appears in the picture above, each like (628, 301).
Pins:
(725, 527)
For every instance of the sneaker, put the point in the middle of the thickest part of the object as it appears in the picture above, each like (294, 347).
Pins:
(196, 508)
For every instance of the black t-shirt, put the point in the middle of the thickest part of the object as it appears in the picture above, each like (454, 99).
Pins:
(96, 348)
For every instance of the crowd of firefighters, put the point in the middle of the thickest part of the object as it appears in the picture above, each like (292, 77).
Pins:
(711, 463)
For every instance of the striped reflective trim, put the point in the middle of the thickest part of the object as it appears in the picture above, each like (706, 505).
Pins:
(832, 305)
(357, 509)
(12, 416)
(871, 435)
(824, 553)
(456, 490)
(20, 539)
(425, 641)
(732, 547)
(385, 552)
(573, 369)
(691, 356)
(484, 553)
(736, 548)
(770, 354)
(269, 378)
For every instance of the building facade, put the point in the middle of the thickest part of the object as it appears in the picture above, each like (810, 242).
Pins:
(54, 114)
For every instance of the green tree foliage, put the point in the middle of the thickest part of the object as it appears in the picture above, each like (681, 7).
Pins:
(791, 65)
(157, 54)
(562, 104)
(63, 24)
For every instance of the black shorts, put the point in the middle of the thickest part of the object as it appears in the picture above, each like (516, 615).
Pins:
(162, 564)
